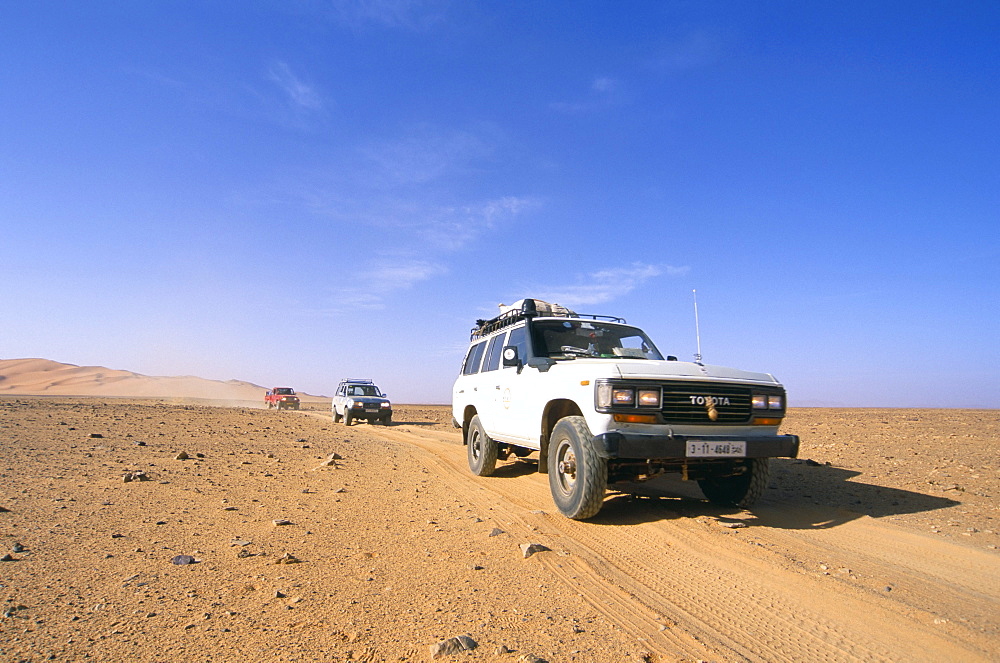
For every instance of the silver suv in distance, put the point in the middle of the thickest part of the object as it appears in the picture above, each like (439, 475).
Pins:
(357, 399)
(599, 404)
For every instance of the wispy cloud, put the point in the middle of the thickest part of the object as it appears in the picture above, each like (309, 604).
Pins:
(426, 154)
(452, 229)
(299, 94)
(606, 285)
(384, 277)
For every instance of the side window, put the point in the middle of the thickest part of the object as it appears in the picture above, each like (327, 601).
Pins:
(519, 338)
(473, 358)
(493, 355)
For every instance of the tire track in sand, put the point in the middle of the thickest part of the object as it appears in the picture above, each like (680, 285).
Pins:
(689, 588)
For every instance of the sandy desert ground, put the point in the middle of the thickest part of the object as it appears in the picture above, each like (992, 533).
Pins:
(879, 543)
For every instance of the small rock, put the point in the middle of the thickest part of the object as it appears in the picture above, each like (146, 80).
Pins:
(182, 560)
(4, 510)
(140, 443)
(278, 594)
(96, 435)
(530, 658)
(8, 558)
(504, 649)
(811, 463)
(281, 521)
(529, 549)
(239, 542)
(181, 456)
(18, 548)
(497, 532)
(288, 558)
(452, 646)
(737, 524)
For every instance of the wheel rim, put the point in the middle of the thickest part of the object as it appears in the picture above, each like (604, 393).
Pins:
(566, 468)
(475, 446)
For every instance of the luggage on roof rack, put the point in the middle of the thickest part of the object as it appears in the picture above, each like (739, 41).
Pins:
(530, 308)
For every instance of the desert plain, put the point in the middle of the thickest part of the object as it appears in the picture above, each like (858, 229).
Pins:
(178, 528)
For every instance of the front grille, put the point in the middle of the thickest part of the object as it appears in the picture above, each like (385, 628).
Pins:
(686, 403)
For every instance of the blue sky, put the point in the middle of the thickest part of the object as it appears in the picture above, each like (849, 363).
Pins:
(295, 192)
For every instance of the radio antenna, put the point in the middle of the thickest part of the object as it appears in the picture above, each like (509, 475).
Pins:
(697, 331)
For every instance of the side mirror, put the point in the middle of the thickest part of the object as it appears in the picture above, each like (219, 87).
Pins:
(510, 357)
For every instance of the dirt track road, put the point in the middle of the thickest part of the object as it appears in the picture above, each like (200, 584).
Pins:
(789, 582)
(880, 544)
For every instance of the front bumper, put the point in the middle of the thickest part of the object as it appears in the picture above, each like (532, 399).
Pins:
(361, 411)
(617, 444)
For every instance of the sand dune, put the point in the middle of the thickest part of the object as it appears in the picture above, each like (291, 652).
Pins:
(46, 377)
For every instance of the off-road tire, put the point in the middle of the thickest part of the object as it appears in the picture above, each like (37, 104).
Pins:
(385, 420)
(336, 416)
(742, 490)
(348, 417)
(482, 451)
(578, 475)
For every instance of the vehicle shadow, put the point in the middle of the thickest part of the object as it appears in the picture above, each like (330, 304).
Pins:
(799, 496)
(514, 469)
(412, 423)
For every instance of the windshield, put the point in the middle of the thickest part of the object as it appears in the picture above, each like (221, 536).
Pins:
(284, 391)
(585, 338)
(362, 390)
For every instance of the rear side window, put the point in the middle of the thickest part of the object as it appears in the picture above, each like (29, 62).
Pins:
(473, 358)
(494, 353)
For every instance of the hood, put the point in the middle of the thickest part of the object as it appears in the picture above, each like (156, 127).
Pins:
(368, 399)
(665, 370)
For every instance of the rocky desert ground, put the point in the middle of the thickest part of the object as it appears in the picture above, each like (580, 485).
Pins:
(167, 530)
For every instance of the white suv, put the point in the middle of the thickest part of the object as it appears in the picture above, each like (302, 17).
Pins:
(600, 404)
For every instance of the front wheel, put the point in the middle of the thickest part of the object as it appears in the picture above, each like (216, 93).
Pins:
(481, 449)
(348, 417)
(742, 490)
(336, 416)
(385, 419)
(578, 476)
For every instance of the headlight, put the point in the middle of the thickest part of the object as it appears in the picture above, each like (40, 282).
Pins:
(622, 396)
(649, 398)
(759, 401)
(775, 402)
(350, 403)
(386, 405)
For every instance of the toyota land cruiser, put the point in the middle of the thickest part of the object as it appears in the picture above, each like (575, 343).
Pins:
(600, 404)
(360, 399)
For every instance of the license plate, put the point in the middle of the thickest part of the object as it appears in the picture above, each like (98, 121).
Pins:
(371, 409)
(704, 449)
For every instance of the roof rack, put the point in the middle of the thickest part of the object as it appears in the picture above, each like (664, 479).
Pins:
(358, 380)
(531, 308)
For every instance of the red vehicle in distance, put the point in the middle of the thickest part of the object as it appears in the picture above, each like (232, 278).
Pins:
(283, 398)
